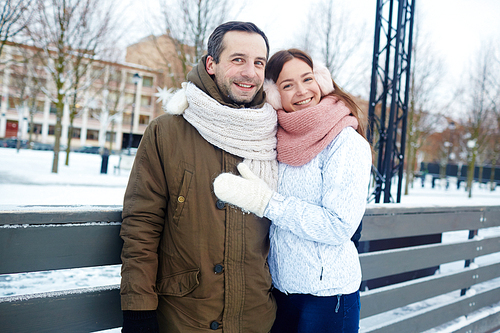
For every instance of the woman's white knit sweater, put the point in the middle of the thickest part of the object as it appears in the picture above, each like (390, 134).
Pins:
(316, 211)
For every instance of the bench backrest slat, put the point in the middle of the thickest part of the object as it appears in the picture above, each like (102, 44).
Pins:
(385, 222)
(85, 311)
(40, 248)
(390, 262)
(426, 319)
(390, 297)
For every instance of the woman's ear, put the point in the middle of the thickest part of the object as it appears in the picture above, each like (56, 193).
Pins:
(324, 79)
(273, 96)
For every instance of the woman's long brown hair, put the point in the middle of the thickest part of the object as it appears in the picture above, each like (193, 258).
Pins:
(275, 65)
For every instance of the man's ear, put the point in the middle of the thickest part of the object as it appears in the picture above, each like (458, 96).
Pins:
(210, 65)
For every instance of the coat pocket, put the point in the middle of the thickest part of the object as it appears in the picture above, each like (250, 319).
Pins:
(182, 196)
(179, 284)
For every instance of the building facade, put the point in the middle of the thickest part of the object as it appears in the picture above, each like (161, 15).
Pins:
(109, 111)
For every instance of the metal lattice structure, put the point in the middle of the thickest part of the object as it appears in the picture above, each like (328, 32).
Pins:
(389, 93)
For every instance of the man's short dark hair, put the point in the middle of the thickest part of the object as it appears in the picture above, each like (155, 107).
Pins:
(215, 41)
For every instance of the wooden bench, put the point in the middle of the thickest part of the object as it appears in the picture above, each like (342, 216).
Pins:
(124, 163)
(50, 238)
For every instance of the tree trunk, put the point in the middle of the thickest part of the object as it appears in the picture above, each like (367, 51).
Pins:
(57, 133)
(111, 136)
(57, 144)
(470, 172)
(409, 168)
(70, 136)
(492, 175)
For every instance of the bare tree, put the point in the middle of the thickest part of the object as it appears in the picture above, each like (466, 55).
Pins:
(20, 80)
(27, 81)
(332, 37)
(112, 104)
(479, 101)
(71, 34)
(494, 145)
(494, 138)
(423, 113)
(14, 16)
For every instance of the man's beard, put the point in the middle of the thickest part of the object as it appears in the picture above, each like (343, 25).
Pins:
(225, 88)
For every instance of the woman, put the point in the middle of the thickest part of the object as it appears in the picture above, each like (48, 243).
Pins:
(324, 170)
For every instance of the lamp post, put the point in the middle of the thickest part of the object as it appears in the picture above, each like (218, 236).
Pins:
(449, 145)
(136, 78)
(471, 144)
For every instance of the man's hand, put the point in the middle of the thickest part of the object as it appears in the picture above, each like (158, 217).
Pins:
(248, 192)
(140, 322)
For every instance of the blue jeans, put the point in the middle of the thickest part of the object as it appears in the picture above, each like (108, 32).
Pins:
(307, 313)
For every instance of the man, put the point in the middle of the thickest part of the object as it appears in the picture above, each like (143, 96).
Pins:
(190, 262)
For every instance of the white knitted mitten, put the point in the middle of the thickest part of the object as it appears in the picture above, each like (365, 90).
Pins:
(248, 192)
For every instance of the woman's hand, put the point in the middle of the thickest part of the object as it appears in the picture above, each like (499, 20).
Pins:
(248, 192)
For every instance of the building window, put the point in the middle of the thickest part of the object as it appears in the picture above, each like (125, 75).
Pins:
(113, 97)
(143, 120)
(130, 78)
(98, 71)
(13, 102)
(115, 76)
(37, 129)
(145, 100)
(129, 99)
(76, 133)
(147, 81)
(53, 108)
(52, 129)
(126, 118)
(110, 136)
(40, 106)
(92, 135)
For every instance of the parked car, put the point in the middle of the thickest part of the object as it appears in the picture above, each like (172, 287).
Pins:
(12, 143)
(88, 150)
(42, 146)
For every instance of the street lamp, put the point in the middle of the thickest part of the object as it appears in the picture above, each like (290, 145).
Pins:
(449, 145)
(136, 78)
(471, 144)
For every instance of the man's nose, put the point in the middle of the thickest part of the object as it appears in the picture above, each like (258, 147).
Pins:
(248, 70)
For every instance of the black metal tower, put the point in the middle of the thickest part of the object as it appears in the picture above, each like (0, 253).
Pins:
(387, 110)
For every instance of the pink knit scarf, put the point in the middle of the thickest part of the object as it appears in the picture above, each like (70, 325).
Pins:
(305, 133)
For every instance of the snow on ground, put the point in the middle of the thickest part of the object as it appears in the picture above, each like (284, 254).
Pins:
(26, 179)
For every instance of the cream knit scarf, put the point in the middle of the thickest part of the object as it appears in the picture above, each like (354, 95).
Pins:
(305, 133)
(245, 132)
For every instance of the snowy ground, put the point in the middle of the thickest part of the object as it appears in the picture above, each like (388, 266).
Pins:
(26, 179)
